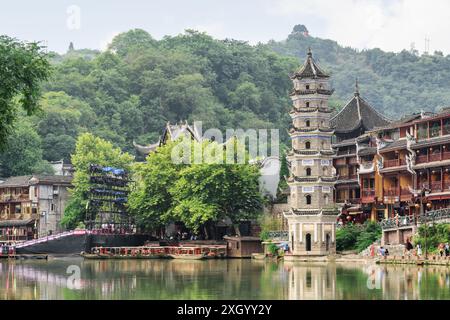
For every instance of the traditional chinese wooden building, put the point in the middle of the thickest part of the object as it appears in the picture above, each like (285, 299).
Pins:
(352, 148)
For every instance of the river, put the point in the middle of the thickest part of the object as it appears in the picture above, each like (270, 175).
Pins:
(75, 278)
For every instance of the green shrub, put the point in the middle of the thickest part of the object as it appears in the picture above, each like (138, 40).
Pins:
(273, 249)
(357, 237)
(436, 234)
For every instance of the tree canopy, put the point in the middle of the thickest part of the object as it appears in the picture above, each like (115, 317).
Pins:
(196, 194)
(90, 150)
(23, 66)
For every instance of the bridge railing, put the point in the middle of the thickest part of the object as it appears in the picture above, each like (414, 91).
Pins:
(278, 235)
(404, 221)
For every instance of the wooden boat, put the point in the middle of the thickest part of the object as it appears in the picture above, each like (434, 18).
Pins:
(185, 256)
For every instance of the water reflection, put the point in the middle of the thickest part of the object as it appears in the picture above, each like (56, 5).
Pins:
(218, 279)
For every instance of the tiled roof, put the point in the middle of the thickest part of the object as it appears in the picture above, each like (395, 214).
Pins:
(15, 223)
(24, 181)
(396, 144)
(367, 151)
(344, 143)
(310, 69)
(355, 114)
(43, 179)
(19, 181)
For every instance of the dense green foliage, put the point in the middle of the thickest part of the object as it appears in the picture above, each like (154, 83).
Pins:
(394, 83)
(357, 237)
(131, 90)
(196, 194)
(23, 153)
(23, 66)
(432, 236)
(90, 150)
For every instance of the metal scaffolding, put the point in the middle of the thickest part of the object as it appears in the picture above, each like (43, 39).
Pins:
(107, 197)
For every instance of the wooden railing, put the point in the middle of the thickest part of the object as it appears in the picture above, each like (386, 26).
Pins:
(368, 193)
(394, 163)
(433, 157)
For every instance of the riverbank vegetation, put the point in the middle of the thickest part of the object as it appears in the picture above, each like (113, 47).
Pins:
(430, 236)
(357, 237)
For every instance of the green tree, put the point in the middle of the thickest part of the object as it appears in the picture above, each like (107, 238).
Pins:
(209, 192)
(90, 150)
(23, 66)
(22, 153)
(150, 201)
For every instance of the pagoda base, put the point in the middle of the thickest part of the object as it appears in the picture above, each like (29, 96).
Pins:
(309, 258)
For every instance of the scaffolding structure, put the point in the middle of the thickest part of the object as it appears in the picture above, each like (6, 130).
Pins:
(106, 208)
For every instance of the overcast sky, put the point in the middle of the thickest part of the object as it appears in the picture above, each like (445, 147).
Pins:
(391, 25)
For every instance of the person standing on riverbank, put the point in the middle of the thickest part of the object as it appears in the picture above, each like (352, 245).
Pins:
(447, 250)
(419, 250)
(441, 248)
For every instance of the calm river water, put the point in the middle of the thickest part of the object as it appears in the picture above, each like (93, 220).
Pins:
(75, 278)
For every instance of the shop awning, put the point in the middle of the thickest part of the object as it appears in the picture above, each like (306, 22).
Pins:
(16, 223)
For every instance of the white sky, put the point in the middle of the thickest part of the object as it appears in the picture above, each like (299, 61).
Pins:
(391, 25)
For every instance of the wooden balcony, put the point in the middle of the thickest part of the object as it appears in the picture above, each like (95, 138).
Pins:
(394, 163)
(405, 194)
(353, 160)
(436, 186)
(340, 162)
(368, 195)
(355, 200)
(433, 157)
(391, 192)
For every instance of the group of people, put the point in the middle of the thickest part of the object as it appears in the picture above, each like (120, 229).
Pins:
(7, 249)
(444, 249)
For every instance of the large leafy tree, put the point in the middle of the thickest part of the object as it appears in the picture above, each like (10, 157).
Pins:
(151, 202)
(22, 153)
(23, 66)
(196, 194)
(90, 150)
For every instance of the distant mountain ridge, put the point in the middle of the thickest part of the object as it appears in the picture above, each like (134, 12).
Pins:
(394, 83)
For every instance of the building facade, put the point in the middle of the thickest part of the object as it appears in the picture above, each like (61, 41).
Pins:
(32, 206)
(312, 217)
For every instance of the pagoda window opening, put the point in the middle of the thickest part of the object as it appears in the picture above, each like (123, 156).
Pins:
(307, 145)
(308, 199)
(308, 123)
(307, 104)
(307, 87)
(308, 247)
(326, 199)
(308, 172)
(446, 127)
(435, 129)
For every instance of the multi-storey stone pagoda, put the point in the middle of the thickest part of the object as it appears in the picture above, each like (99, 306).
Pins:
(312, 218)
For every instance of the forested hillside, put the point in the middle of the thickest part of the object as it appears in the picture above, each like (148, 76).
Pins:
(394, 83)
(130, 91)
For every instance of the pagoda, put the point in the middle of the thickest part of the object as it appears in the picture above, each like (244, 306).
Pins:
(312, 215)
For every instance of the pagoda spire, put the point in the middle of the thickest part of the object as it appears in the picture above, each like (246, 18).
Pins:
(356, 87)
